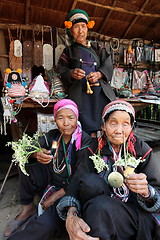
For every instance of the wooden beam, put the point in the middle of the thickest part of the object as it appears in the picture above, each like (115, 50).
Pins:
(37, 8)
(3, 50)
(118, 9)
(27, 15)
(106, 18)
(34, 27)
(74, 5)
(135, 19)
(27, 9)
(4, 55)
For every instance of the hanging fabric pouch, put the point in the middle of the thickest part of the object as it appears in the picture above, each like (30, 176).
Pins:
(47, 56)
(48, 53)
(119, 78)
(38, 53)
(58, 51)
(17, 48)
(27, 54)
(14, 61)
(139, 81)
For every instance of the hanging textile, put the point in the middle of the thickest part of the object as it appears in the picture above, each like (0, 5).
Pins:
(48, 53)
(14, 62)
(27, 54)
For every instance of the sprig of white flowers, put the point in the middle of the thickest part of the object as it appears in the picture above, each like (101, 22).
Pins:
(99, 163)
(128, 160)
(23, 148)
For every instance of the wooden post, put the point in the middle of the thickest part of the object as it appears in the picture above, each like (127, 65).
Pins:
(4, 61)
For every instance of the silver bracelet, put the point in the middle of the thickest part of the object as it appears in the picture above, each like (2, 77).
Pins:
(151, 193)
(73, 213)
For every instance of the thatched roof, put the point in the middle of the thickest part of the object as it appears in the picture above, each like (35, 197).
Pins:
(115, 18)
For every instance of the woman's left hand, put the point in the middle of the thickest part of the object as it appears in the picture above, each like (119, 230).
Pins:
(94, 76)
(138, 183)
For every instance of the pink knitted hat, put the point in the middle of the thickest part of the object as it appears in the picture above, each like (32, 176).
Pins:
(65, 103)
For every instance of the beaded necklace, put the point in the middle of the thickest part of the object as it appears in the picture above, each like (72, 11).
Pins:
(59, 167)
(123, 191)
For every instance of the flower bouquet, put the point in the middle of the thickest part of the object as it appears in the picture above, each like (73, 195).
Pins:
(129, 163)
(99, 162)
(23, 148)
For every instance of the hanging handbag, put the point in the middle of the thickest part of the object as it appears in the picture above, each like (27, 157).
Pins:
(119, 78)
(139, 80)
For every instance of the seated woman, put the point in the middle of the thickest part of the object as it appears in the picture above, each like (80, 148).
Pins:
(109, 202)
(52, 170)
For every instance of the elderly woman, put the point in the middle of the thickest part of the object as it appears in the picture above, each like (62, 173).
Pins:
(85, 69)
(50, 172)
(108, 201)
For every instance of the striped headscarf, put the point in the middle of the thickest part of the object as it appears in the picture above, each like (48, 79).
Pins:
(118, 105)
(121, 105)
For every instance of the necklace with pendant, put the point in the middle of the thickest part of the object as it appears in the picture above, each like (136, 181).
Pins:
(59, 167)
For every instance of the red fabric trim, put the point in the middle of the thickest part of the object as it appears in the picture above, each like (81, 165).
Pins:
(90, 150)
(64, 60)
(147, 153)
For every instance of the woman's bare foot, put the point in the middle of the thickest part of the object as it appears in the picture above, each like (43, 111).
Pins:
(28, 210)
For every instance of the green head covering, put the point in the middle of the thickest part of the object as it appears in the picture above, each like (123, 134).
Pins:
(78, 15)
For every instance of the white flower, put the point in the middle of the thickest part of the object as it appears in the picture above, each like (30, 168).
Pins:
(23, 148)
(99, 163)
(129, 160)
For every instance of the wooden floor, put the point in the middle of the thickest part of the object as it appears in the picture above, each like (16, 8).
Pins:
(148, 132)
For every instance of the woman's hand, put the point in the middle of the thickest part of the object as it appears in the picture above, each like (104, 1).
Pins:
(43, 157)
(77, 228)
(94, 76)
(48, 202)
(138, 183)
(52, 198)
(77, 73)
